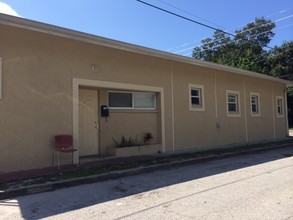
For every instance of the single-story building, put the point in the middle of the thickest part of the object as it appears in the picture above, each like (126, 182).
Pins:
(58, 81)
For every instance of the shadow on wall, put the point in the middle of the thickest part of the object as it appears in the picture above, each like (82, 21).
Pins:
(48, 204)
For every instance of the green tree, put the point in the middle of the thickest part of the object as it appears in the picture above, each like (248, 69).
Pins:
(281, 61)
(248, 49)
(245, 49)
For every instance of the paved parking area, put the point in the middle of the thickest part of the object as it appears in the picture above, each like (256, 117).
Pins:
(250, 186)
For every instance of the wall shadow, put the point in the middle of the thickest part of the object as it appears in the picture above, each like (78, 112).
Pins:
(64, 200)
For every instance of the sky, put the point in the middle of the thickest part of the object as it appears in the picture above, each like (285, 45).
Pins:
(136, 23)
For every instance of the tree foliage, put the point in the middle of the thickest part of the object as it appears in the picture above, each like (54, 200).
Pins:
(281, 61)
(248, 49)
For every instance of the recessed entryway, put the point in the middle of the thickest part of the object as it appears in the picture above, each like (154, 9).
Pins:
(78, 85)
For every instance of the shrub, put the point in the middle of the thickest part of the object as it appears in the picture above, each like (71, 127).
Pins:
(126, 142)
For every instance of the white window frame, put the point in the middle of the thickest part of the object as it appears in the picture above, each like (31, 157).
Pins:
(253, 94)
(238, 112)
(133, 100)
(281, 114)
(201, 106)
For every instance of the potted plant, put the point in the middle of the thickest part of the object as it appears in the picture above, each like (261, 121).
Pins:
(128, 146)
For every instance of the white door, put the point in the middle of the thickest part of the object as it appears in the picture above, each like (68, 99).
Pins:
(88, 122)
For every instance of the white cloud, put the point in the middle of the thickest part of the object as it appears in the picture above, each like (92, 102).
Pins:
(7, 9)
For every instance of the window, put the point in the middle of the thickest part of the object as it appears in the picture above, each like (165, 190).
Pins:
(144, 100)
(233, 103)
(196, 98)
(120, 100)
(254, 104)
(131, 100)
(280, 108)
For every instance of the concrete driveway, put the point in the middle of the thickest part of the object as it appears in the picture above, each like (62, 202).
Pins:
(250, 186)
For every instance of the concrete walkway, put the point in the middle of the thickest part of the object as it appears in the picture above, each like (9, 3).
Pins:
(256, 185)
(48, 185)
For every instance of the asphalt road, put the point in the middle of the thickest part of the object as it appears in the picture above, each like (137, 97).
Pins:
(251, 186)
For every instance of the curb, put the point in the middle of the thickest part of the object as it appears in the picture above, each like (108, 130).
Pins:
(51, 186)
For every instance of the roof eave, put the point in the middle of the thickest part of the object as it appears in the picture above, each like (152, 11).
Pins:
(89, 38)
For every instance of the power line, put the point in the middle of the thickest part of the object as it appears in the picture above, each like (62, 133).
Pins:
(191, 20)
(222, 44)
(173, 49)
(279, 12)
(185, 18)
(187, 12)
(203, 44)
(216, 29)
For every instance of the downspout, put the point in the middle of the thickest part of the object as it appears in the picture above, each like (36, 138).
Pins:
(273, 108)
(245, 113)
(216, 102)
(286, 112)
(172, 104)
(75, 115)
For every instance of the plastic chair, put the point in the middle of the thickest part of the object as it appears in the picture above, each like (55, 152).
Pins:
(62, 144)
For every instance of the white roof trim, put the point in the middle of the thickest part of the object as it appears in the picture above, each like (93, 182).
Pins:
(89, 38)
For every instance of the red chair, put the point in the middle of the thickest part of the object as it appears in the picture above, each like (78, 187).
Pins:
(62, 144)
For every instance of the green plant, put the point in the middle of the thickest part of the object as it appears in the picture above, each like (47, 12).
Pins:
(147, 137)
(126, 142)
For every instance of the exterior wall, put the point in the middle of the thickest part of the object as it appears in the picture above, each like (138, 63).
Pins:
(213, 127)
(129, 123)
(37, 91)
(192, 127)
(198, 128)
(37, 99)
(280, 122)
(260, 127)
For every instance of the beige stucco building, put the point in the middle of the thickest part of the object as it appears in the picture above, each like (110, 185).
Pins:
(56, 81)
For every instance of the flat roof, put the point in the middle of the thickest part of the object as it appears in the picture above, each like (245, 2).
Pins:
(93, 39)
